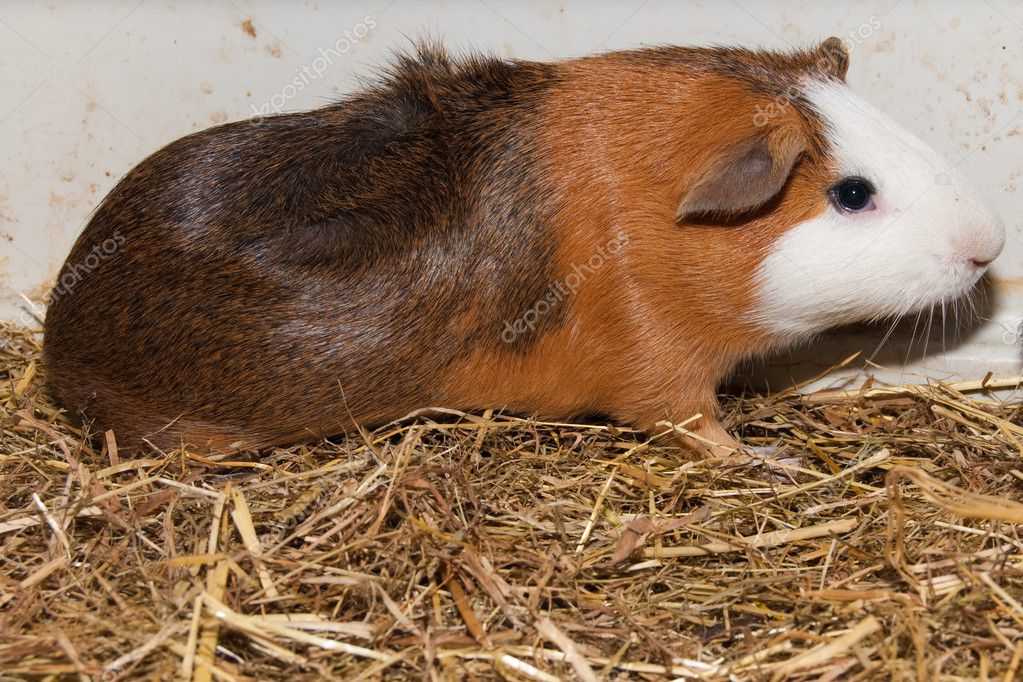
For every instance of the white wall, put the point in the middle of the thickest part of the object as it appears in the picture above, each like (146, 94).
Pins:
(91, 88)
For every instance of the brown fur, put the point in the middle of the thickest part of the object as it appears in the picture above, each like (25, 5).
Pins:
(346, 266)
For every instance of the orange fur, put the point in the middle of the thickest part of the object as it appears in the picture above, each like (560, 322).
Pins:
(654, 331)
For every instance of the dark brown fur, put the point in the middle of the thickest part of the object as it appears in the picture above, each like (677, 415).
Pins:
(289, 279)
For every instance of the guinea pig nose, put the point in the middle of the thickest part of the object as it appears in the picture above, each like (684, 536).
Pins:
(981, 244)
(981, 262)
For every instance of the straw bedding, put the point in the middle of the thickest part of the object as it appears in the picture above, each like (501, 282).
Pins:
(881, 542)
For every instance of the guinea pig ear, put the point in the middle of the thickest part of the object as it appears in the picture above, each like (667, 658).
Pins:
(743, 177)
(832, 58)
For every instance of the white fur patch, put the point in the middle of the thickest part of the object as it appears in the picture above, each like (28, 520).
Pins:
(913, 251)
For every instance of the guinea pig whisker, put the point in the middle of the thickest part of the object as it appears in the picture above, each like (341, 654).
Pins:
(912, 339)
(927, 334)
(943, 333)
(972, 312)
(887, 336)
(956, 327)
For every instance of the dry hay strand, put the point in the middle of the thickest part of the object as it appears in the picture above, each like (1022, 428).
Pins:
(486, 546)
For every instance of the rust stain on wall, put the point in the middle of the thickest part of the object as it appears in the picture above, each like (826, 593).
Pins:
(1007, 285)
(886, 44)
(248, 28)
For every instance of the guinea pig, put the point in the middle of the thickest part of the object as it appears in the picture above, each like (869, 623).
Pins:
(606, 235)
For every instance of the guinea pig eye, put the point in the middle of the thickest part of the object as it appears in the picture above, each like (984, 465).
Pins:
(853, 195)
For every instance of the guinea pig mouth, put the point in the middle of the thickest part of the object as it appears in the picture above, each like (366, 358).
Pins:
(962, 286)
(943, 287)
(970, 274)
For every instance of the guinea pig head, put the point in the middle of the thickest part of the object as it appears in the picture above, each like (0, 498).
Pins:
(829, 212)
(895, 228)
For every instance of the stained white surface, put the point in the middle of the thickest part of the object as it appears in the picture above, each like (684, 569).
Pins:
(90, 88)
